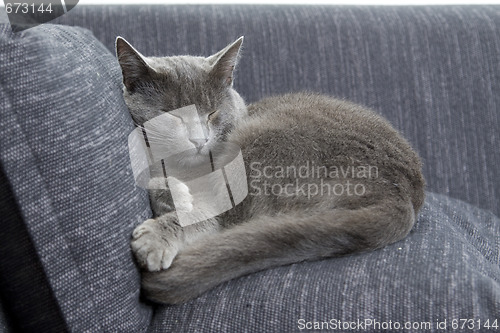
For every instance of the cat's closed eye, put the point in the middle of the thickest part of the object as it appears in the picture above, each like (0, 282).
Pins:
(212, 114)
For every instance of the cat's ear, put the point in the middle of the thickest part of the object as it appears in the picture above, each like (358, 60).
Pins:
(225, 61)
(134, 67)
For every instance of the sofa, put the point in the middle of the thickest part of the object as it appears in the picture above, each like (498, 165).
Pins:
(69, 204)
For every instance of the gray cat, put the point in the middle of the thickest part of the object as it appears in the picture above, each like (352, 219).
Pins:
(326, 177)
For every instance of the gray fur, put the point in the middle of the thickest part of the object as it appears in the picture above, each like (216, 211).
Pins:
(276, 229)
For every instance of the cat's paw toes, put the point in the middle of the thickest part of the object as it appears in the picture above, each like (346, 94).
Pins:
(184, 207)
(183, 199)
(158, 259)
(172, 286)
(151, 251)
(187, 278)
(142, 229)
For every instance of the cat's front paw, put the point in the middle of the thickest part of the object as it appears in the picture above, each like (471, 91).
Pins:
(151, 251)
(176, 285)
(183, 200)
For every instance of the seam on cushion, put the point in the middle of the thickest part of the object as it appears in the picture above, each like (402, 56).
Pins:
(21, 309)
(60, 294)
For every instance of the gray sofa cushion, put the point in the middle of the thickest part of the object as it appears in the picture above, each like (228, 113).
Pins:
(63, 147)
(25, 291)
(4, 326)
(447, 268)
(431, 70)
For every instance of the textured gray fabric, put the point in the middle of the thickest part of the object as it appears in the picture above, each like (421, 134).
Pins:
(63, 146)
(448, 268)
(25, 291)
(432, 71)
(4, 327)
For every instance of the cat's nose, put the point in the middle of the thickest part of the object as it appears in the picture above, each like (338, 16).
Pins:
(198, 143)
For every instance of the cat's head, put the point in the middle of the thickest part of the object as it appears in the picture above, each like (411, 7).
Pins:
(155, 85)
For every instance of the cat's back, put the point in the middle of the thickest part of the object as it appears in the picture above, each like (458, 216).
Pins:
(326, 121)
(301, 127)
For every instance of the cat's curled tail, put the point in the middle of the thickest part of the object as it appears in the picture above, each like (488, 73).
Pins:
(269, 241)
